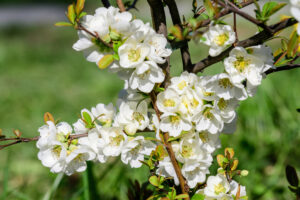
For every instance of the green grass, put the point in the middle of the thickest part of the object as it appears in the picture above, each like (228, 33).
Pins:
(40, 72)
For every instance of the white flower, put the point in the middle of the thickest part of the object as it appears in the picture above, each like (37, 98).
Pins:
(217, 187)
(104, 113)
(295, 10)
(133, 116)
(174, 124)
(195, 173)
(209, 120)
(191, 104)
(154, 125)
(114, 140)
(166, 169)
(210, 142)
(132, 53)
(181, 83)
(80, 126)
(242, 66)
(95, 144)
(145, 76)
(226, 109)
(189, 150)
(135, 149)
(75, 161)
(218, 37)
(168, 101)
(202, 90)
(264, 53)
(118, 22)
(223, 87)
(47, 133)
(158, 50)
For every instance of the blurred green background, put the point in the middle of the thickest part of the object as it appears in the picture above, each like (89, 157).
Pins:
(40, 72)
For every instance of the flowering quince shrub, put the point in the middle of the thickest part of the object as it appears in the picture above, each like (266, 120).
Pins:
(170, 124)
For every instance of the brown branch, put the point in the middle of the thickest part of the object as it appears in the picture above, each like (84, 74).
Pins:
(252, 41)
(160, 26)
(283, 68)
(184, 49)
(184, 187)
(121, 5)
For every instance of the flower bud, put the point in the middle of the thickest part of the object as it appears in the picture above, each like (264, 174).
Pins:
(244, 173)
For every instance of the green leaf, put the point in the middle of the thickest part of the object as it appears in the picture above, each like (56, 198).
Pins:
(82, 14)
(154, 180)
(87, 118)
(292, 44)
(269, 9)
(105, 61)
(291, 176)
(60, 24)
(182, 196)
(209, 8)
(198, 197)
(71, 13)
(79, 6)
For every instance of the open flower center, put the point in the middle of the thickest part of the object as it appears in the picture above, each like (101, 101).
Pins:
(241, 63)
(138, 117)
(225, 83)
(219, 188)
(169, 103)
(221, 39)
(174, 119)
(187, 151)
(134, 55)
(222, 104)
(115, 141)
(182, 85)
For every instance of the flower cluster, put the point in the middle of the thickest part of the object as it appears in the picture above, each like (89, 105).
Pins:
(193, 110)
(139, 49)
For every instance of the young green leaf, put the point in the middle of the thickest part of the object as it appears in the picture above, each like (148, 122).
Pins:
(198, 197)
(87, 118)
(79, 6)
(105, 61)
(60, 24)
(71, 13)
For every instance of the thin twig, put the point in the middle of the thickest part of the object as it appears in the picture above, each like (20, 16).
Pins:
(283, 68)
(121, 5)
(95, 35)
(184, 49)
(224, 12)
(245, 15)
(252, 41)
(235, 28)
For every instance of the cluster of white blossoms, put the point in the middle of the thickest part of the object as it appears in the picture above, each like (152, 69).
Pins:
(140, 48)
(194, 110)
(295, 10)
